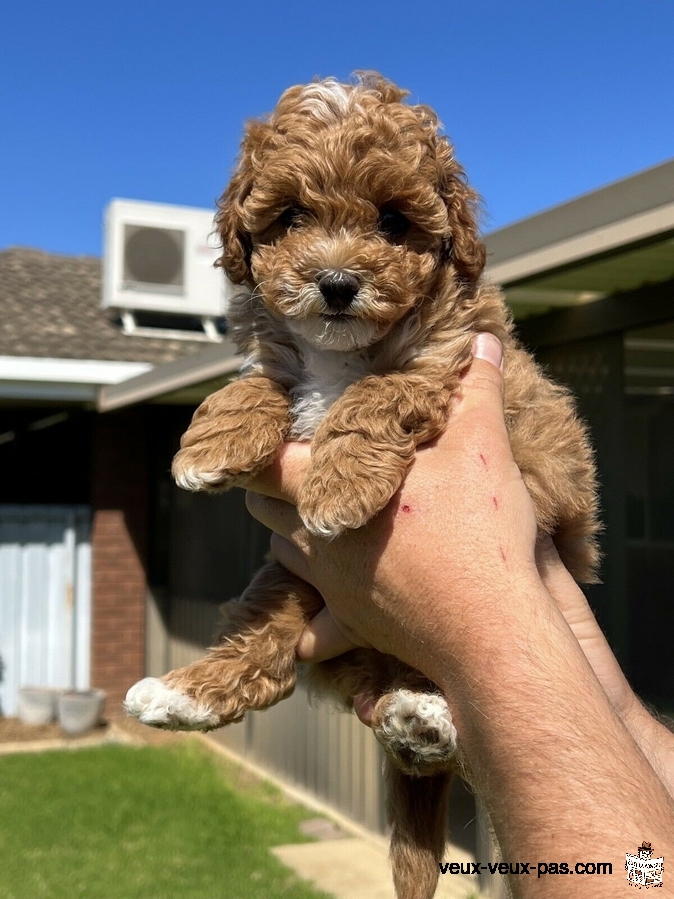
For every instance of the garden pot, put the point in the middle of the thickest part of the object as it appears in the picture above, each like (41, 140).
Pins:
(37, 705)
(80, 710)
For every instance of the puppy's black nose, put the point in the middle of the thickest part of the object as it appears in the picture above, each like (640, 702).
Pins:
(338, 289)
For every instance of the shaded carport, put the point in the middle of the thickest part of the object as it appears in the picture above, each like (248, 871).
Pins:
(591, 284)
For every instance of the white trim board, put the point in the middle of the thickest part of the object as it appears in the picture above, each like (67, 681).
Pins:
(69, 371)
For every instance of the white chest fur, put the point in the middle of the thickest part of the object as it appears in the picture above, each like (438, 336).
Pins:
(327, 374)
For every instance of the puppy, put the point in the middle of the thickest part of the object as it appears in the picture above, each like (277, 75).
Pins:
(351, 227)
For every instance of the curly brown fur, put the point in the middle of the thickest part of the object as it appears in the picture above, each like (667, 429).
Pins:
(352, 231)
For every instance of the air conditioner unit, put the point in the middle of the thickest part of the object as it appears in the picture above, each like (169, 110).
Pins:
(159, 258)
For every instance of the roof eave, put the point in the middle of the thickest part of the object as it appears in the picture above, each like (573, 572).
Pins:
(585, 245)
(214, 362)
(623, 200)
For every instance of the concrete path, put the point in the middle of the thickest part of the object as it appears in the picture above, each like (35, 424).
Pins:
(111, 734)
(357, 868)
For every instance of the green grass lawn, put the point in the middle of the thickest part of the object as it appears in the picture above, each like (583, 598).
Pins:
(120, 822)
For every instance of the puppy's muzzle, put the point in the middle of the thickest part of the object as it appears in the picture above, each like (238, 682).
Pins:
(338, 289)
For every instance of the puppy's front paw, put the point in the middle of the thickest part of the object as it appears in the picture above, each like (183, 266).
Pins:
(157, 704)
(233, 436)
(205, 466)
(415, 729)
(330, 503)
(329, 513)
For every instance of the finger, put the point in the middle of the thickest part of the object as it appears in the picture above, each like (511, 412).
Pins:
(363, 706)
(291, 557)
(323, 639)
(559, 583)
(488, 347)
(275, 514)
(546, 555)
(283, 478)
(554, 575)
(556, 579)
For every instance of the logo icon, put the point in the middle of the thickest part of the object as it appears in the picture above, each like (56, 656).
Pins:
(642, 869)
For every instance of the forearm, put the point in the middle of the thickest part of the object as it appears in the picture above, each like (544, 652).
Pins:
(562, 778)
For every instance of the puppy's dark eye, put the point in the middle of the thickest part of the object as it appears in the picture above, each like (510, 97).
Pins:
(292, 215)
(393, 224)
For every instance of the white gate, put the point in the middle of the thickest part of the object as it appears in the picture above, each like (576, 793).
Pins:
(45, 599)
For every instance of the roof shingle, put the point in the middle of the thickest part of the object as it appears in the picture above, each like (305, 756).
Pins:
(50, 306)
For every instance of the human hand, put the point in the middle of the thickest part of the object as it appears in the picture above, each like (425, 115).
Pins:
(328, 636)
(324, 639)
(461, 530)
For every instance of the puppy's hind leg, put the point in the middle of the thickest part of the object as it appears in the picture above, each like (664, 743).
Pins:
(415, 727)
(252, 667)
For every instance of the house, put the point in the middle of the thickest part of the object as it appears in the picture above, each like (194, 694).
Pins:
(591, 284)
(74, 494)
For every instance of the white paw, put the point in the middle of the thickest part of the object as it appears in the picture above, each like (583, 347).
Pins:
(320, 528)
(155, 703)
(194, 480)
(418, 727)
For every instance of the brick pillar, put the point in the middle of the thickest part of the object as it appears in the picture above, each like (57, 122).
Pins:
(119, 541)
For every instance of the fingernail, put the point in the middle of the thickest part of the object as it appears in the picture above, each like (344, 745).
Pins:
(488, 347)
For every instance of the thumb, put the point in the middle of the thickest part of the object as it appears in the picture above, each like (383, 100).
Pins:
(485, 372)
(488, 348)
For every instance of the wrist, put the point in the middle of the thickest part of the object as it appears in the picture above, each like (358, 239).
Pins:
(500, 617)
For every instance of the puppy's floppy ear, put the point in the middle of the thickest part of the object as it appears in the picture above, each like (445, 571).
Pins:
(237, 244)
(462, 245)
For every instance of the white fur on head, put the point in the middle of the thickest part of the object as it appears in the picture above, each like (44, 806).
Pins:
(328, 101)
(342, 334)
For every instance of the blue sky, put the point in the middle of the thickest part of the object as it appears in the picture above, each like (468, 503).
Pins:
(544, 99)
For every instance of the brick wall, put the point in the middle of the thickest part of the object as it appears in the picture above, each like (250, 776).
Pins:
(119, 548)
